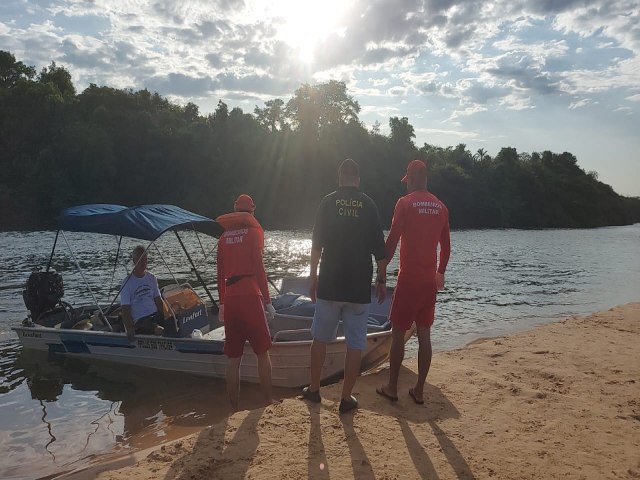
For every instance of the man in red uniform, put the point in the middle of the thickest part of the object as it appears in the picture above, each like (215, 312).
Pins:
(421, 222)
(244, 295)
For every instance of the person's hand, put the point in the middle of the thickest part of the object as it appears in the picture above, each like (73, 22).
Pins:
(381, 291)
(439, 281)
(221, 313)
(269, 311)
(313, 288)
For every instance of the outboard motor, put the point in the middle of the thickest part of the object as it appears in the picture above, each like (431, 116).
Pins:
(43, 291)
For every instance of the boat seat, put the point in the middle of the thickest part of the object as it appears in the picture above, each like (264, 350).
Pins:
(378, 323)
(289, 322)
(298, 335)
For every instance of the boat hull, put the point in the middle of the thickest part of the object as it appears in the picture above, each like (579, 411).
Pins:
(200, 356)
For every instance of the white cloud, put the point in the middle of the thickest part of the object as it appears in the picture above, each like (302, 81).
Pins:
(466, 112)
(579, 104)
(516, 101)
(398, 91)
(618, 20)
(448, 137)
(380, 111)
(537, 50)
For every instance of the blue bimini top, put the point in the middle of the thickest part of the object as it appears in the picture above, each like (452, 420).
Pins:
(144, 222)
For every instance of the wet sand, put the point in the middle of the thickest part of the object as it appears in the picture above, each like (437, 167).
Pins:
(559, 401)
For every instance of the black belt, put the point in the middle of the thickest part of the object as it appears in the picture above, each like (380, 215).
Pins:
(236, 278)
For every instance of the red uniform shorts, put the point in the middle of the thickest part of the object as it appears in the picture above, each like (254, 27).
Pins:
(244, 320)
(413, 301)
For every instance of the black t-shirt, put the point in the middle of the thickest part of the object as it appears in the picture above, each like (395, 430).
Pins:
(348, 230)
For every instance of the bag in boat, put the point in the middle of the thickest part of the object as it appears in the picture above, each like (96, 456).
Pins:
(294, 304)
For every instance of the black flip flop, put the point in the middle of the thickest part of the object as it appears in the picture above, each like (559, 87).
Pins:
(380, 391)
(348, 405)
(312, 396)
(415, 399)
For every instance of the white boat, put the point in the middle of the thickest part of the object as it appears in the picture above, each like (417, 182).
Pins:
(91, 332)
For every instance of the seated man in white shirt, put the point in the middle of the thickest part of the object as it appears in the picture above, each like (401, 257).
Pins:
(140, 299)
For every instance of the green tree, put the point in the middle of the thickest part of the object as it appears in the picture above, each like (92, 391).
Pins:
(314, 107)
(402, 132)
(480, 155)
(11, 71)
(59, 148)
(272, 116)
(59, 78)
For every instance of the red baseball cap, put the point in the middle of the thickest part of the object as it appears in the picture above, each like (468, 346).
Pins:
(244, 203)
(415, 168)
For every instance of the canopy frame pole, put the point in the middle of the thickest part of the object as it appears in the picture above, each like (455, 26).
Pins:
(115, 266)
(102, 315)
(165, 263)
(204, 253)
(213, 302)
(53, 250)
(125, 281)
(274, 286)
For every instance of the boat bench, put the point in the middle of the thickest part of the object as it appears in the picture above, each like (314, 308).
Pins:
(300, 335)
(293, 328)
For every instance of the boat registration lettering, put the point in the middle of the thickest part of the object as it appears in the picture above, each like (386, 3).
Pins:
(155, 344)
(32, 334)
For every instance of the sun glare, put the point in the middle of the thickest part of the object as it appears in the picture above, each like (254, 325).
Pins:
(305, 23)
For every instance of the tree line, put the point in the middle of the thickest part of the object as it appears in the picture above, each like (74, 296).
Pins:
(60, 148)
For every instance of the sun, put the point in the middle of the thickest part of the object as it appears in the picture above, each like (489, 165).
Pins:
(304, 24)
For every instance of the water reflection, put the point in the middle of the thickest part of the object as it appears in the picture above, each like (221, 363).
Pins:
(70, 410)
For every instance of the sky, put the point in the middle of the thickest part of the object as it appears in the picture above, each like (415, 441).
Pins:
(559, 75)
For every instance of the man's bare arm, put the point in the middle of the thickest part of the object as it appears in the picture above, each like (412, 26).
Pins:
(313, 272)
(381, 280)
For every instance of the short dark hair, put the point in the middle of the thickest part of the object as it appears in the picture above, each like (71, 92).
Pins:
(138, 251)
(349, 167)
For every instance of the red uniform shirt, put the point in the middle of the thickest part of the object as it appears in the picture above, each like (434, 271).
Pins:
(422, 221)
(239, 254)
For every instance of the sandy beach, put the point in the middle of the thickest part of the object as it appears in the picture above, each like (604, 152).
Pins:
(559, 401)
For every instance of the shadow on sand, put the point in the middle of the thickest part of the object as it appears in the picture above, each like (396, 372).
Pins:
(410, 417)
(221, 453)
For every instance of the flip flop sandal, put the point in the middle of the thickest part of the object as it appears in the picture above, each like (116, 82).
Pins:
(348, 405)
(415, 399)
(380, 391)
(312, 396)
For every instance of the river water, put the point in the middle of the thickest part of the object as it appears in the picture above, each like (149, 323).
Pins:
(57, 415)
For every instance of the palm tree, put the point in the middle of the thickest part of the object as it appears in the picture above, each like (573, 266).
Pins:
(480, 154)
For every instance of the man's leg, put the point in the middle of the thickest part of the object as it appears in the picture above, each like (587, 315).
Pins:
(158, 330)
(264, 371)
(323, 331)
(424, 360)
(396, 356)
(318, 353)
(233, 381)
(352, 362)
(168, 324)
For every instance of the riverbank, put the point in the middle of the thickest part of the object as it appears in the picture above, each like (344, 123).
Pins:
(559, 401)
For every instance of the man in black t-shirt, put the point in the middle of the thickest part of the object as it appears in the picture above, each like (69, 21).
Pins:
(346, 233)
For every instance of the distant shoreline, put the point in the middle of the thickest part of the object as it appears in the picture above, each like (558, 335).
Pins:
(52, 228)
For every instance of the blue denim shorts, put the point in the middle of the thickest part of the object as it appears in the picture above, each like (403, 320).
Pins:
(354, 318)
